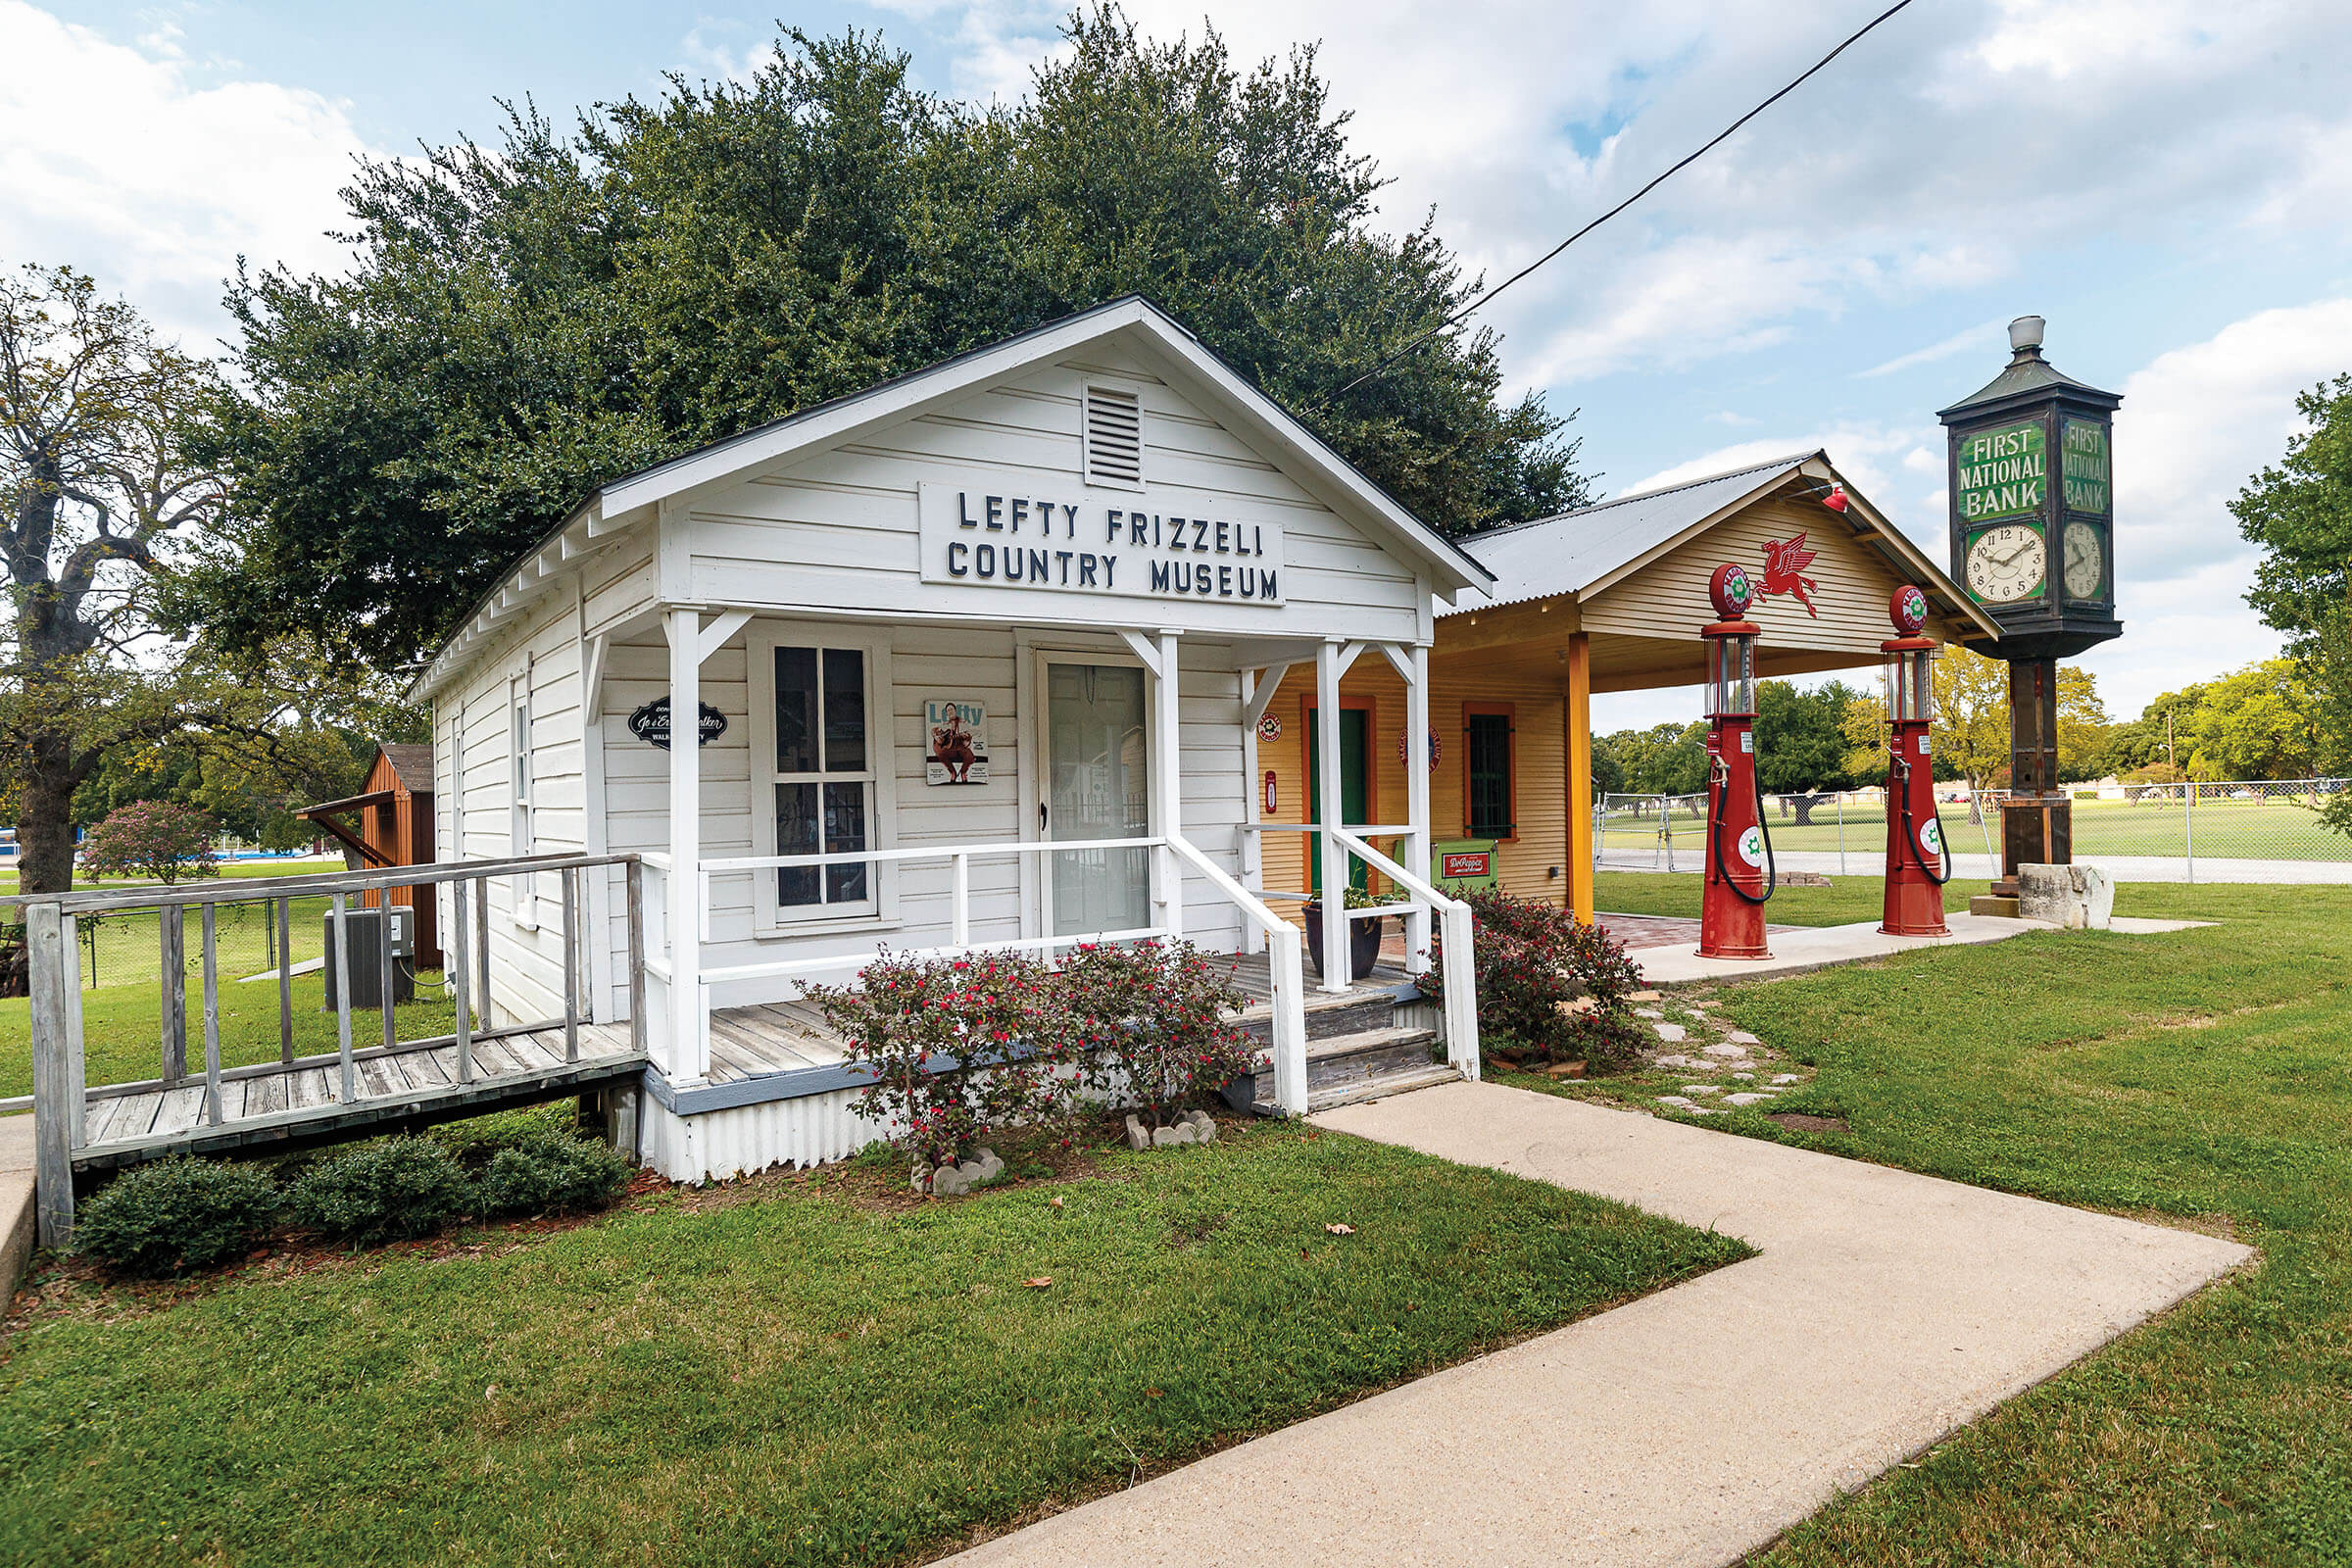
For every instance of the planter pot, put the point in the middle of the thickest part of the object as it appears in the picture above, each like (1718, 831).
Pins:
(1364, 941)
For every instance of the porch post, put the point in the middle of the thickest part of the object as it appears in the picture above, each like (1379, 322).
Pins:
(1249, 852)
(689, 1049)
(1167, 760)
(1578, 721)
(1416, 849)
(1334, 888)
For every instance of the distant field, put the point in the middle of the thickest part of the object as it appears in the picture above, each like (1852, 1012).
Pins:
(2254, 830)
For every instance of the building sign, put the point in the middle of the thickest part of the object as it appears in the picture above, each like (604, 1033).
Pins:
(2002, 472)
(1462, 863)
(2084, 466)
(956, 733)
(1135, 549)
(1785, 563)
(651, 724)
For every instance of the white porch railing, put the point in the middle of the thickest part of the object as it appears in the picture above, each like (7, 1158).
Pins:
(691, 1062)
(1424, 900)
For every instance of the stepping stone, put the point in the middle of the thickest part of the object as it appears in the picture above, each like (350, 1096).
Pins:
(1708, 1110)
(1745, 1099)
(1747, 1076)
(1740, 1037)
(1702, 1089)
(1643, 995)
(1648, 1012)
(1786, 1078)
(1674, 1034)
(1728, 1052)
(1676, 1101)
(1696, 1012)
(1681, 1061)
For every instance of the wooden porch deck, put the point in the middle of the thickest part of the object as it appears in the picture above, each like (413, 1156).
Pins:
(782, 1037)
(301, 1104)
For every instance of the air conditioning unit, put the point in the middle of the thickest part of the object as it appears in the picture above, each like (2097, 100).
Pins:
(366, 928)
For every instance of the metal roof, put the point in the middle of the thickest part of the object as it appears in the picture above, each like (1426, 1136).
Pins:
(1568, 553)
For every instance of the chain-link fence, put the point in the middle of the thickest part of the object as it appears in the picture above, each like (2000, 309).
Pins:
(2235, 830)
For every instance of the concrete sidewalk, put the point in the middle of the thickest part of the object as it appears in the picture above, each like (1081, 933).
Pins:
(1797, 949)
(1886, 1311)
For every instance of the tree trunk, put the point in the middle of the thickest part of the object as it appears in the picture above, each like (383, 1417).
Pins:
(45, 818)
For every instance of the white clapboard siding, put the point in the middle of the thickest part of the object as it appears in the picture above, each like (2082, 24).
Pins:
(839, 529)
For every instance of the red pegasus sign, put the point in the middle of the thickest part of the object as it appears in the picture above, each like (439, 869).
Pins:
(1783, 571)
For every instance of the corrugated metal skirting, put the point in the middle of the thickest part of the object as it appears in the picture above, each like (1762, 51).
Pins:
(716, 1144)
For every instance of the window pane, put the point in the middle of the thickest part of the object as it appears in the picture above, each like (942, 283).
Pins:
(795, 834)
(1489, 775)
(845, 830)
(845, 711)
(796, 713)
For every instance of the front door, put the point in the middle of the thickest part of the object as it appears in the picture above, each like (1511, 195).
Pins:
(1355, 750)
(1097, 786)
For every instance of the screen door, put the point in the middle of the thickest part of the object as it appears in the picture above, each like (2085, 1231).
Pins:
(1097, 786)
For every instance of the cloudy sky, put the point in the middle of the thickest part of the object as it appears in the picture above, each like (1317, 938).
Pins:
(2169, 183)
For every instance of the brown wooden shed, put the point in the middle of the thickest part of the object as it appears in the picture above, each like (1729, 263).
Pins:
(394, 827)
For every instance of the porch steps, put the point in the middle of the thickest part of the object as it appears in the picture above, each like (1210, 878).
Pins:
(1342, 1070)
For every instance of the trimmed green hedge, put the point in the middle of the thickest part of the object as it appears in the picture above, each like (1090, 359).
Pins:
(177, 1215)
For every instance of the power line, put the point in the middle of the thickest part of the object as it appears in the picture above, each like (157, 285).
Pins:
(1724, 135)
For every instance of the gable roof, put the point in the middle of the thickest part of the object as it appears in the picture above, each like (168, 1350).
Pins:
(1252, 414)
(412, 763)
(1581, 552)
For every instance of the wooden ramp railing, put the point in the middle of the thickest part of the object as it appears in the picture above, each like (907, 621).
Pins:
(446, 1066)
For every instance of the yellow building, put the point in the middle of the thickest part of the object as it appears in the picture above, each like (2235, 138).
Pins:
(1606, 599)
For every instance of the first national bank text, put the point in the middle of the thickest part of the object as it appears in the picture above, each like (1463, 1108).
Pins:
(969, 537)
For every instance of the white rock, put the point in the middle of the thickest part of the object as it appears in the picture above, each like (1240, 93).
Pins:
(1681, 1061)
(1702, 1089)
(1648, 1012)
(1745, 1099)
(1674, 1034)
(1747, 1076)
(1676, 1101)
(2077, 897)
(1740, 1037)
(1708, 1110)
(1728, 1052)
(1786, 1078)
(1700, 1013)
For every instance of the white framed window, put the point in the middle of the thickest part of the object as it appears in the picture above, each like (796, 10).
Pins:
(822, 775)
(522, 830)
(1110, 429)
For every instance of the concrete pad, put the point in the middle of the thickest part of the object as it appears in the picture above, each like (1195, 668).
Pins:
(1799, 949)
(1889, 1307)
(19, 1221)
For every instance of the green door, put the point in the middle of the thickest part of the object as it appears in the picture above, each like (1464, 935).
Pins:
(1354, 755)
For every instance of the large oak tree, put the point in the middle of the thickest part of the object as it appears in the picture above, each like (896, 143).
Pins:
(525, 321)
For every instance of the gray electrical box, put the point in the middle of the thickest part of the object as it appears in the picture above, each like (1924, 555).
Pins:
(367, 928)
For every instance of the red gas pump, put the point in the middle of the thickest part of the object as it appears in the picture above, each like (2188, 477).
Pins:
(1917, 863)
(1741, 873)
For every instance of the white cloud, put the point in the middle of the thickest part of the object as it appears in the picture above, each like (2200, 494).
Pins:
(114, 159)
(1984, 335)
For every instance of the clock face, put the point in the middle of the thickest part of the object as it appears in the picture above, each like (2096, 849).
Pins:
(2006, 564)
(2086, 562)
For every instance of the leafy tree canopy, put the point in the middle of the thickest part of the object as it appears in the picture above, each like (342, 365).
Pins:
(2301, 512)
(525, 321)
(1800, 740)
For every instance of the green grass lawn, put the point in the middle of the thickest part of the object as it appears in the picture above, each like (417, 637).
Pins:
(2275, 829)
(811, 1374)
(2203, 1077)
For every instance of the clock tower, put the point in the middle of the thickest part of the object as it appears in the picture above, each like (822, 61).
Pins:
(2033, 533)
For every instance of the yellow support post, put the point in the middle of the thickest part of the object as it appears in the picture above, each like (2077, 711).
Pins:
(1578, 712)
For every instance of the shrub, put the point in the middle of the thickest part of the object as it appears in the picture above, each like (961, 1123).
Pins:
(1532, 960)
(177, 1214)
(957, 1047)
(389, 1191)
(154, 839)
(553, 1174)
(1145, 1025)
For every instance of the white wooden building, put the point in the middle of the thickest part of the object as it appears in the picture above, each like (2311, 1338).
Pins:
(1032, 597)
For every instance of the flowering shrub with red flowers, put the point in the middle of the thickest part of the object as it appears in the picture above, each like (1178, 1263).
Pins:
(1531, 960)
(1148, 1025)
(152, 838)
(958, 1048)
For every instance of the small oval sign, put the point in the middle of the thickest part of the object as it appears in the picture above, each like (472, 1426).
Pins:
(651, 723)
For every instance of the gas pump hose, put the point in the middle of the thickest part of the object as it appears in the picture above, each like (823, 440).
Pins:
(1772, 867)
(1903, 768)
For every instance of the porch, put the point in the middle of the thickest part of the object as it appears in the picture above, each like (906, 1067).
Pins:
(1117, 767)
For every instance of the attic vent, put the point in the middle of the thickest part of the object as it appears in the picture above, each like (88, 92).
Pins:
(1114, 438)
